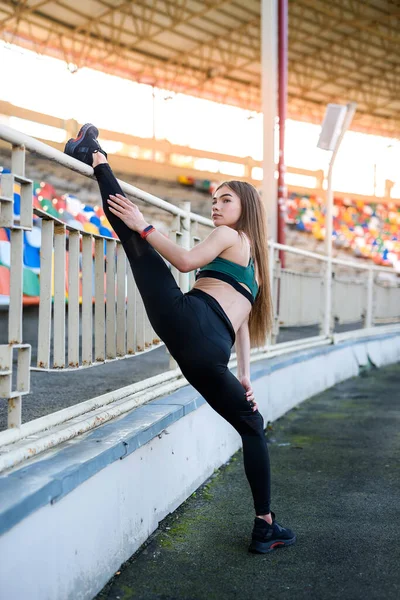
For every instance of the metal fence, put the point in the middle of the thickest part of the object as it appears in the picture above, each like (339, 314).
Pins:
(103, 318)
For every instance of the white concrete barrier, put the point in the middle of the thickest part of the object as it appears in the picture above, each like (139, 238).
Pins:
(71, 516)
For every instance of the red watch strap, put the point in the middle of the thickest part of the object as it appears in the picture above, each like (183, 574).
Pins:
(146, 231)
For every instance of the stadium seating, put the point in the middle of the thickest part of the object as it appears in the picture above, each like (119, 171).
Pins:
(370, 231)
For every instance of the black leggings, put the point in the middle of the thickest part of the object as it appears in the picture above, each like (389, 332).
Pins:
(199, 335)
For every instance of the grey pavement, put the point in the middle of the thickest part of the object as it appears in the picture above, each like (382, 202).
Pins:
(335, 481)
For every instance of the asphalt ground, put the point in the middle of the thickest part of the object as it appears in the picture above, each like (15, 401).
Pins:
(58, 389)
(335, 481)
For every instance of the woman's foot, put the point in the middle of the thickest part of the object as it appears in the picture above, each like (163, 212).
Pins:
(266, 537)
(85, 145)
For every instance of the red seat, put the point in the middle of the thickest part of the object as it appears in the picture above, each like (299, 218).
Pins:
(4, 281)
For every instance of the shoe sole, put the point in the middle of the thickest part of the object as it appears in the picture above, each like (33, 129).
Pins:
(73, 143)
(265, 547)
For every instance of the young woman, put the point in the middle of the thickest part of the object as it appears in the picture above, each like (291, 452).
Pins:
(229, 303)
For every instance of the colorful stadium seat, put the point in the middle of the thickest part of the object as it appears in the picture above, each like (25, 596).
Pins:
(32, 258)
(34, 237)
(4, 284)
(5, 254)
(30, 283)
(90, 228)
(95, 220)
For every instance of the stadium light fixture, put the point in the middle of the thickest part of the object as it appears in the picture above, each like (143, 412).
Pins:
(335, 124)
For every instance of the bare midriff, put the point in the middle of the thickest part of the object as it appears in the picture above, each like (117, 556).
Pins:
(233, 303)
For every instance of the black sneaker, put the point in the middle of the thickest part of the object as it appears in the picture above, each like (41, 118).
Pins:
(83, 146)
(266, 537)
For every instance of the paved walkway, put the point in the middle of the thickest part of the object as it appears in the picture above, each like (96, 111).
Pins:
(336, 481)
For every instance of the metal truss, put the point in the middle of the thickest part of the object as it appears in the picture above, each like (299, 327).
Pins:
(339, 50)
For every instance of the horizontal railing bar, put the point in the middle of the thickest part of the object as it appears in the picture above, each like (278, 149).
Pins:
(277, 350)
(21, 179)
(46, 217)
(349, 263)
(94, 419)
(295, 343)
(9, 436)
(300, 274)
(367, 332)
(293, 250)
(21, 139)
(95, 363)
(322, 257)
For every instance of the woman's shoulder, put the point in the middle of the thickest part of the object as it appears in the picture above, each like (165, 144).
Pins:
(226, 230)
(247, 240)
(225, 236)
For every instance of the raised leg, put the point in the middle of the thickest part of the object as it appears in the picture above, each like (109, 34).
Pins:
(154, 280)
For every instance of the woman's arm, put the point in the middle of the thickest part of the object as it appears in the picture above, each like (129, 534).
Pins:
(242, 345)
(220, 238)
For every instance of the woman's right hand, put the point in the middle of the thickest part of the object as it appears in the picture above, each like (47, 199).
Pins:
(245, 381)
(128, 212)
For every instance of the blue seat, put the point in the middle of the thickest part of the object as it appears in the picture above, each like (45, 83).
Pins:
(32, 258)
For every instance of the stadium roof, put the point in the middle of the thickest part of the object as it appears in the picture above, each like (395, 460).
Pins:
(339, 50)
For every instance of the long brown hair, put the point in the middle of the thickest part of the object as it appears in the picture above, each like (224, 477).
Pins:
(253, 222)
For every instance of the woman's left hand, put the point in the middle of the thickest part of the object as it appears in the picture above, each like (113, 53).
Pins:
(245, 381)
(127, 212)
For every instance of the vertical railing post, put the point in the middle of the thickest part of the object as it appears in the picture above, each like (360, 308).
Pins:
(16, 274)
(174, 236)
(73, 299)
(87, 303)
(99, 306)
(121, 301)
(276, 270)
(369, 317)
(12, 394)
(59, 296)
(184, 241)
(16, 285)
(274, 280)
(131, 314)
(271, 253)
(110, 300)
(194, 240)
(140, 323)
(327, 318)
(46, 276)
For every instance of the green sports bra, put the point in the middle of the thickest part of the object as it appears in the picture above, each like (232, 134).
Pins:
(231, 272)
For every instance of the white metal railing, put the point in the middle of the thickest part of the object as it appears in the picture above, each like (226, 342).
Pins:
(301, 297)
(84, 333)
(105, 317)
(387, 303)
(348, 299)
(302, 300)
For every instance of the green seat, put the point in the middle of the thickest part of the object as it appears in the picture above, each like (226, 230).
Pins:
(47, 205)
(30, 283)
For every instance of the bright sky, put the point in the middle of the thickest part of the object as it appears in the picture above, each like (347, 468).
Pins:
(47, 86)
